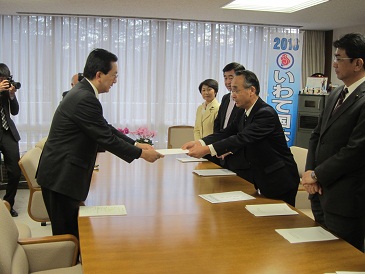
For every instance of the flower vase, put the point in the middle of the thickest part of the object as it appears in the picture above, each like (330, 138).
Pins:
(144, 141)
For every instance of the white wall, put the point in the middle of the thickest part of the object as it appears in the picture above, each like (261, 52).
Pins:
(337, 33)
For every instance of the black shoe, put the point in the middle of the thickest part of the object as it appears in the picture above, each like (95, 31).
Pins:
(13, 213)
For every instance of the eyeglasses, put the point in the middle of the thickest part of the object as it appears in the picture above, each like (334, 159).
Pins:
(236, 91)
(113, 75)
(337, 58)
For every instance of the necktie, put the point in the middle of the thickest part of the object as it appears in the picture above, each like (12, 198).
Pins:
(245, 119)
(340, 100)
(4, 123)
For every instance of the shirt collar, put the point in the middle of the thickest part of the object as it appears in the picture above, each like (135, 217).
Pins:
(248, 111)
(94, 88)
(355, 85)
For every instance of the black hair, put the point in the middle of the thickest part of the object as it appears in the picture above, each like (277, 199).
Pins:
(353, 44)
(4, 70)
(210, 83)
(235, 66)
(99, 60)
(250, 79)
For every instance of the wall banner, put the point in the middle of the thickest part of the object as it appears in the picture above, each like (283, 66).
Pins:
(285, 60)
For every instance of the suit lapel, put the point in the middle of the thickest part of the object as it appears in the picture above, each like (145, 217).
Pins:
(211, 106)
(225, 104)
(353, 97)
(255, 108)
(332, 100)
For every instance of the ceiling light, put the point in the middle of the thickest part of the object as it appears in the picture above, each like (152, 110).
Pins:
(287, 6)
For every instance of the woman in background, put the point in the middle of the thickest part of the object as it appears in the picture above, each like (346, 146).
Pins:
(208, 111)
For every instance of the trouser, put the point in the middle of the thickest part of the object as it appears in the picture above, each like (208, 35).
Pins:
(62, 211)
(10, 149)
(350, 229)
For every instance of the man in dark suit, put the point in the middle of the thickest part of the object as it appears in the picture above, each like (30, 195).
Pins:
(227, 110)
(78, 128)
(335, 175)
(9, 135)
(268, 162)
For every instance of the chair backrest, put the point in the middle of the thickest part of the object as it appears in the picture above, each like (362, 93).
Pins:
(12, 256)
(179, 135)
(29, 164)
(41, 142)
(300, 157)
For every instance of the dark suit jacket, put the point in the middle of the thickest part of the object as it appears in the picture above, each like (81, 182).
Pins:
(260, 150)
(78, 127)
(10, 106)
(219, 121)
(337, 154)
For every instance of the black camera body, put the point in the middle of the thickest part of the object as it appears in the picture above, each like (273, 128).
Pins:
(17, 85)
(80, 76)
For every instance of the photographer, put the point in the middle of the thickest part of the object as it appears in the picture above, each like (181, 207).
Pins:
(74, 80)
(9, 135)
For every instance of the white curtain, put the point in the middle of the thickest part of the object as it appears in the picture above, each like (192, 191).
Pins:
(313, 53)
(161, 64)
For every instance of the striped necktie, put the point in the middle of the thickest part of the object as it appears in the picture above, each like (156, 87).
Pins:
(4, 122)
(340, 100)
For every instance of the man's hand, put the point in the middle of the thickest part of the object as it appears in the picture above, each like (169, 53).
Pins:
(144, 146)
(4, 85)
(199, 151)
(310, 185)
(150, 155)
(12, 91)
(191, 144)
(313, 188)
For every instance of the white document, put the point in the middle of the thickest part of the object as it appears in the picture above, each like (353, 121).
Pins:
(191, 159)
(350, 272)
(347, 272)
(271, 210)
(307, 234)
(223, 197)
(214, 172)
(172, 151)
(87, 211)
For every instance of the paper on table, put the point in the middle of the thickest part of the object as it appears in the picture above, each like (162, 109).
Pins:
(86, 211)
(346, 272)
(191, 159)
(271, 210)
(350, 272)
(307, 234)
(172, 151)
(223, 197)
(214, 172)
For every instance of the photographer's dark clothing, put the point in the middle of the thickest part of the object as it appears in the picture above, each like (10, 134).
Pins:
(9, 146)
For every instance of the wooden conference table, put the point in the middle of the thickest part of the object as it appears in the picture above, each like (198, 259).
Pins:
(170, 229)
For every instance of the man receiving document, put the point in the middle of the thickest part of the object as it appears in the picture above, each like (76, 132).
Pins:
(256, 142)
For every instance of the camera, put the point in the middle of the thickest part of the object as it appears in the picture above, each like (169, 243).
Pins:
(17, 85)
(80, 76)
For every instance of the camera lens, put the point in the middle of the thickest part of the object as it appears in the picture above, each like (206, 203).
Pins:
(17, 85)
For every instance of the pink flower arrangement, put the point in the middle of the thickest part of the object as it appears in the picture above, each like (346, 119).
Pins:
(143, 134)
(124, 131)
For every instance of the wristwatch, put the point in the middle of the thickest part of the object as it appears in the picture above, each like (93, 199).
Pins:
(313, 176)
